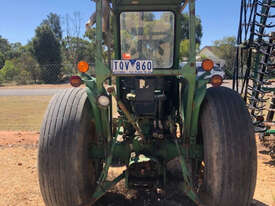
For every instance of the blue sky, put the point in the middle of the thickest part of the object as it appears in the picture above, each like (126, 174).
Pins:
(19, 18)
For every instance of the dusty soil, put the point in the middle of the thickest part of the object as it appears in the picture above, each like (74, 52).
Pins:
(19, 183)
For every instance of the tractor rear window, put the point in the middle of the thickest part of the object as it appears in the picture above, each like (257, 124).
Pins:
(148, 36)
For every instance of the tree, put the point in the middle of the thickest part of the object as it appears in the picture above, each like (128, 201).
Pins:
(15, 50)
(148, 16)
(83, 49)
(72, 40)
(184, 45)
(185, 28)
(9, 50)
(9, 71)
(53, 21)
(227, 49)
(184, 48)
(1, 78)
(47, 51)
(2, 60)
(4, 51)
(28, 65)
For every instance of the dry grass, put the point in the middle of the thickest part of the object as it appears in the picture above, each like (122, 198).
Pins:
(34, 86)
(22, 113)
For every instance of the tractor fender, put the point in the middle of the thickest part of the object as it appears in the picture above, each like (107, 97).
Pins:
(100, 115)
(198, 99)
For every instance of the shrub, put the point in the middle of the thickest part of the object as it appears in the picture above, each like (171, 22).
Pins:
(9, 71)
(24, 77)
(1, 78)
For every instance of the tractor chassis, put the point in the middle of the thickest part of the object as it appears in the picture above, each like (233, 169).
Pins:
(193, 97)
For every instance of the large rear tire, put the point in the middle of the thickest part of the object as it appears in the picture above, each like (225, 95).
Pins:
(229, 150)
(67, 175)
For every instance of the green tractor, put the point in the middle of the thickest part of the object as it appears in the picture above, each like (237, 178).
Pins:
(168, 126)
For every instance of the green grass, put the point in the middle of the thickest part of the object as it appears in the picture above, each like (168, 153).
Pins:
(22, 113)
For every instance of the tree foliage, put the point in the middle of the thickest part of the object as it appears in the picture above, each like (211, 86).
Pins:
(4, 47)
(2, 60)
(47, 51)
(82, 50)
(184, 48)
(41, 58)
(185, 28)
(185, 43)
(9, 71)
(1, 78)
(28, 66)
(15, 50)
(227, 49)
(53, 21)
(33, 62)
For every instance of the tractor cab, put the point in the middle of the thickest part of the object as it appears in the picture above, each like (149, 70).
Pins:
(147, 36)
(148, 30)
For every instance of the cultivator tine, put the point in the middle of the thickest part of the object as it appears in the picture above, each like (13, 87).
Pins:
(260, 35)
(260, 82)
(257, 99)
(267, 5)
(269, 124)
(256, 108)
(266, 16)
(265, 53)
(264, 25)
(271, 109)
(263, 43)
(261, 91)
(267, 64)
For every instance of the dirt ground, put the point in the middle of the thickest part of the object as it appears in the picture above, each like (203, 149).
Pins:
(19, 183)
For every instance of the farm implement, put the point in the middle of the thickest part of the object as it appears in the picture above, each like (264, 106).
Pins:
(254, 65)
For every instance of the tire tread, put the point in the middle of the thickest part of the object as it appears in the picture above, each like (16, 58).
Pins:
(60, 145)
(230, 149)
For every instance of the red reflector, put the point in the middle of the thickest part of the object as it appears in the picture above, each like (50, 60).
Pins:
(75, 81)
(216, 80)
(207, 65)
(126, 56)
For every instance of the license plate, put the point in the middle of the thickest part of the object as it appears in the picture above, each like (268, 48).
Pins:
(132, 66)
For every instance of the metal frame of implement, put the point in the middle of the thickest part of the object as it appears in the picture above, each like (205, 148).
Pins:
(251, 62)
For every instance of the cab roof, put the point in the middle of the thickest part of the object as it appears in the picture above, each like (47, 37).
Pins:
(148, 2)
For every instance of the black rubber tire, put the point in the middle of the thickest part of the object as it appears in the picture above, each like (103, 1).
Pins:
(230, 155)
(67, 175)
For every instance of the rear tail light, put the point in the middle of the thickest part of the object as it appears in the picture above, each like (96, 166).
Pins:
(216, 80)
(83, 66)
(207, 65)
(75, 81)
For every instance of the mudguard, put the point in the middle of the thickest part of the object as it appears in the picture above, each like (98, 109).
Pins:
(101, 117)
